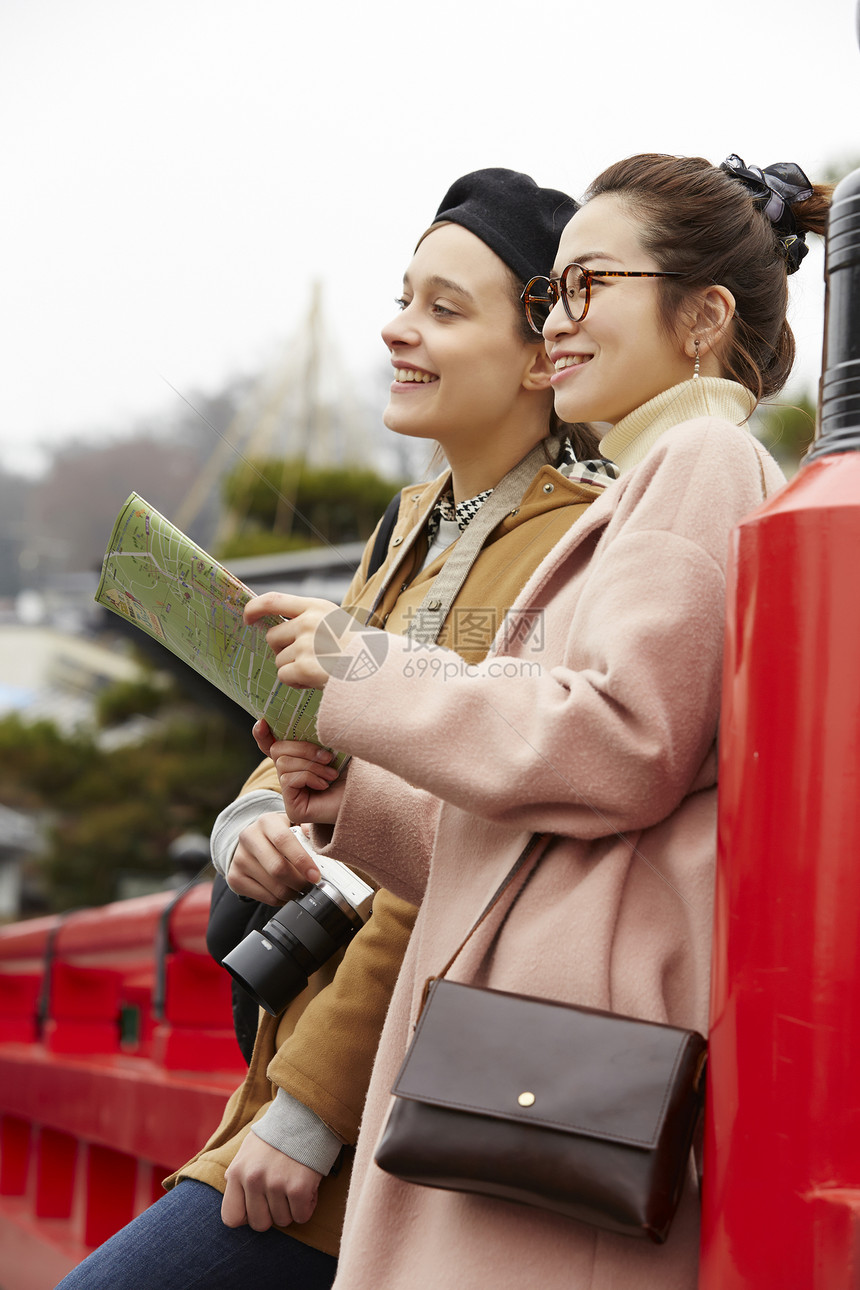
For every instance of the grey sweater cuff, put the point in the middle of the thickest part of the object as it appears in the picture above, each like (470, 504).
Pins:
(295, 1129)
(236, 817)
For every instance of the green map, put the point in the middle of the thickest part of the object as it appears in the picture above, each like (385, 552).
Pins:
(158, 579)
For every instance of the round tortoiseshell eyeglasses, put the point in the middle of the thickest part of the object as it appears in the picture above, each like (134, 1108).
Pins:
(573, 287)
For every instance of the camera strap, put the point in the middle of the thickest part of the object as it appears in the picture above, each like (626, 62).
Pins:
(430, 615)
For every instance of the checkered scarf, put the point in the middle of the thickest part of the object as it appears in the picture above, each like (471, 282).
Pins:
(598, 471)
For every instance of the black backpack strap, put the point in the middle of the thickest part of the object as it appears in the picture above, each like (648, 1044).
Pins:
(231, 918)
(383, 535)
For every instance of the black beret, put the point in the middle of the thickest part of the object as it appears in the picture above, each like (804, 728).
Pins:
(518, 220)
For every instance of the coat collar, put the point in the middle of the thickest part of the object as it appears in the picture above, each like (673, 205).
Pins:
(420, 499)
(548, 488)
(650, 423)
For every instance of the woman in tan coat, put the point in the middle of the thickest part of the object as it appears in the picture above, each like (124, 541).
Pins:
(469, 374)
(666, 317)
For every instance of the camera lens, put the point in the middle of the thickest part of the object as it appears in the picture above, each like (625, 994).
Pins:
(274, 964)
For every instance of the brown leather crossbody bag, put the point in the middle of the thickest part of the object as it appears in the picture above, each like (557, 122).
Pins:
(582, 1112)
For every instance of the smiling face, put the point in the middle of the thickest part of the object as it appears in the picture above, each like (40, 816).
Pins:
(461, 363)
(620, 355)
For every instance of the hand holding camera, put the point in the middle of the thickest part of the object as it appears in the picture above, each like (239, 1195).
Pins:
(274, 964)
(270, 864)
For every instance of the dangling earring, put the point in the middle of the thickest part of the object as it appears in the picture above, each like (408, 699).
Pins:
(696, 364)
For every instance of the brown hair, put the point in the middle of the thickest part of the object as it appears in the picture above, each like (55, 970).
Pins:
(700, 221)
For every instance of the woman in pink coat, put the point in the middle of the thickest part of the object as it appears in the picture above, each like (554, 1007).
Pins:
(594, 719)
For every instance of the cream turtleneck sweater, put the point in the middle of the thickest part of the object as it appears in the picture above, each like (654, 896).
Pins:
(633, 437)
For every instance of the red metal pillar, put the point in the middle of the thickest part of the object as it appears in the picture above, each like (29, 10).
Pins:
(111, 1191)
(56, 1163)
(781, 1204)
(14, 1155)
(783, 1128)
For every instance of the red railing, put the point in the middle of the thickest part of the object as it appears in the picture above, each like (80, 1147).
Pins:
(117, 1054)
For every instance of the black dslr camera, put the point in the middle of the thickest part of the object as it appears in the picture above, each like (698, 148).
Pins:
(274, 964)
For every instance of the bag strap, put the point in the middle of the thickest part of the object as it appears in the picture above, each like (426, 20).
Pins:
(434, 609)
(535, 841)
(383, 535)
(394, 572)
(760, 456)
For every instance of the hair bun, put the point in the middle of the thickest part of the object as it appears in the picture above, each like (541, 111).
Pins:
(774, 190)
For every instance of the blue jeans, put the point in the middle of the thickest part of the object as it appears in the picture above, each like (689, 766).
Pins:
(180, 1243)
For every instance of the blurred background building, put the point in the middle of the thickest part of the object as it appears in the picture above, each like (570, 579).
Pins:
(111, 749)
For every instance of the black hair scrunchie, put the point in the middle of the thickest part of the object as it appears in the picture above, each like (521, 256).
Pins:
(773, 190)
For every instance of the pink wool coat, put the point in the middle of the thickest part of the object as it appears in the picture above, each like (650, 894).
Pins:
(597, 721)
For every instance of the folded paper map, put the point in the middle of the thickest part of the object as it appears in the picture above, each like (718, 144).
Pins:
(158, 579)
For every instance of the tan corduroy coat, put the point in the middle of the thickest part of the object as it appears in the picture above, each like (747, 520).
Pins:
(599, 726)
(321, 1049)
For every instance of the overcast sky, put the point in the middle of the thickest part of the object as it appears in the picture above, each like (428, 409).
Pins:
(177, 173)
